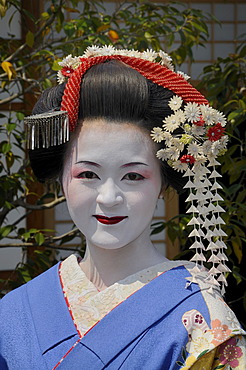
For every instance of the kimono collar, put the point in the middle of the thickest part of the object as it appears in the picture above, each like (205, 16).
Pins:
(51, 317)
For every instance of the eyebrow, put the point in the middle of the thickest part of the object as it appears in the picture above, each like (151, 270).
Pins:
(130, 164)
(89, 163)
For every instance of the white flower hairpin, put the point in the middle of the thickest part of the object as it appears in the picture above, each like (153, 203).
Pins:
(193, 137)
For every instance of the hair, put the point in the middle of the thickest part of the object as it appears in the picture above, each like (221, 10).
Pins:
(115, 92)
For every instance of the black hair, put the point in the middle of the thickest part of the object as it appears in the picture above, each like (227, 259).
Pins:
(115, 92)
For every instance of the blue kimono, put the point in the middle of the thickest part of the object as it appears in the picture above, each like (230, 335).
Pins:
(147, 330)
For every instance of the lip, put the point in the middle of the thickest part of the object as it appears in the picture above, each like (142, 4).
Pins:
(109, 220)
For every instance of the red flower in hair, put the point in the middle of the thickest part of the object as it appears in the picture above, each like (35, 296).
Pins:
(187, 159)
(200, 122)
(215, 132)
(67, 71)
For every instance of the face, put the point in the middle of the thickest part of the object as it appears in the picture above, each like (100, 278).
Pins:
(111, 180)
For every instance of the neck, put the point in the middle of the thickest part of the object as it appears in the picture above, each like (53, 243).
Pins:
(104, 267)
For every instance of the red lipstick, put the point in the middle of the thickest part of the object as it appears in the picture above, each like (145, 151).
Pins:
(109, 220)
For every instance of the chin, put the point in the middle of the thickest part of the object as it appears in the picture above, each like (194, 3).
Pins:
(109, 243)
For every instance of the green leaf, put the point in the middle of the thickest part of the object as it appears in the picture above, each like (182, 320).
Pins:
(10, 127)
(39, 238)
(157, 228)
(55, 65)
(5, 147)
(44, 52)
(33, 231)
(45, 16)
(69, 29)
(25, 275)
(8, 205)
(10, 158)
(20, 116)
(237, 275)
(203, 353)
(199, 26)
(234, 114)
(46, 83)
(237, 247)
(30, 39)
(6, 230)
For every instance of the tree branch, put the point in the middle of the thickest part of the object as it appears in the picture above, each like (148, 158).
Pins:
(35, 207)
(14, 96)
(36, 35)
(26, 245)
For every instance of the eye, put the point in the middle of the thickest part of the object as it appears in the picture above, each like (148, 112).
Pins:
(132, 176)
(88, 175)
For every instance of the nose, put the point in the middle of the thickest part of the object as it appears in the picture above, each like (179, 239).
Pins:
(109, 194)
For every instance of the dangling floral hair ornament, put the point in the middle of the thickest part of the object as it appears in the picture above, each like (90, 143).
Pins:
(192, 137)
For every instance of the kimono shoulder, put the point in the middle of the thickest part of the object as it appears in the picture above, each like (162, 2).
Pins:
(33, 319)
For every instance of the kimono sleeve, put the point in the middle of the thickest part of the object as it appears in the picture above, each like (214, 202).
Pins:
(230, 355)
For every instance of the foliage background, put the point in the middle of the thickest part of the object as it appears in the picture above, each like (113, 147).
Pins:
(30, 65)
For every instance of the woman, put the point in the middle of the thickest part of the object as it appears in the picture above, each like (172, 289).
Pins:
(135, 128)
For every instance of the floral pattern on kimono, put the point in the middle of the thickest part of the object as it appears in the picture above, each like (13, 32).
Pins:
(215, 347)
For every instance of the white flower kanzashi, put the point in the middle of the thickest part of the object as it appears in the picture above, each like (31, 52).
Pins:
(200, 160)
(60, 77)
(175, 102)
(223, 141)
(91, 51)
(157, 134)
(168, 138)
(179, 166)
(194, 149)
(166, 60)
(173, 153)
(70, 61)
(192, 112)
(150, 55)
(220, 118)
(177, 144)
(218, 147)
(184, 75)
(171, 123)
(107, 49)
(162, 154)
(207, 147)
(180, 116)
(209, 114)
(190, 150)
(197, 130)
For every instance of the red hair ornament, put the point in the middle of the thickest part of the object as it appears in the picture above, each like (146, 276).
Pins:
(155, 72)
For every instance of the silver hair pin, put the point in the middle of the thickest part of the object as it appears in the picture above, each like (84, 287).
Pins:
(47, 129)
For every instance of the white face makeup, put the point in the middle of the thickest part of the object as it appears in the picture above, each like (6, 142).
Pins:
(111, 181)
